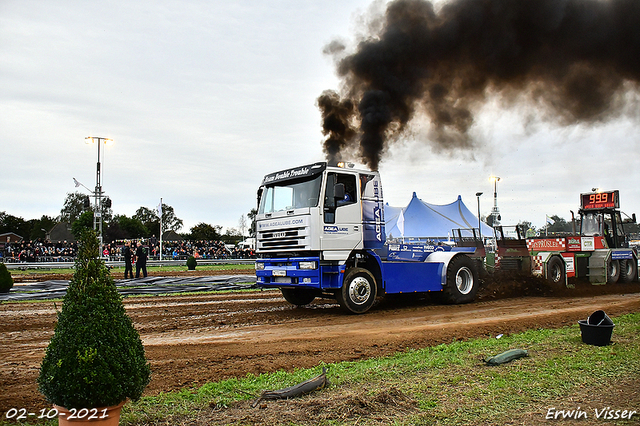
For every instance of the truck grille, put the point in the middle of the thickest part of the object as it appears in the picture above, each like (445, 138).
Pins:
(289, 239)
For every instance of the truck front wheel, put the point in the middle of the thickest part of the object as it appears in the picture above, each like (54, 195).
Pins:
(297, 296)
(358, 292)
(462, 281)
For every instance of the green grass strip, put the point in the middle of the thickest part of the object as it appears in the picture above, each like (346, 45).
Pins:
(179, 268)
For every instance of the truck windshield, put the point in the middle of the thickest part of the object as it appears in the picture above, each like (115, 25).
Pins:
(290, 195)
(591, 225)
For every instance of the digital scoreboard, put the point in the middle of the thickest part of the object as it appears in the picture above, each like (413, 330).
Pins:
(600, 200)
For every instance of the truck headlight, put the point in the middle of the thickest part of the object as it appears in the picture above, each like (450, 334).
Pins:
(259, 266)
(308, 265)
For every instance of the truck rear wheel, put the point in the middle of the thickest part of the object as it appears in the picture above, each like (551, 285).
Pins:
(556, 273)
(462, 281)
(358, 292)
(297, 296)
(628, 270)
(613, 271)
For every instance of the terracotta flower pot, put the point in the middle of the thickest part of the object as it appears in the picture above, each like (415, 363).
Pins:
(104, 416)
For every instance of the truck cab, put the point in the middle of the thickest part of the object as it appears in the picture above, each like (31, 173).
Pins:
(600, 219)
(321, 211)
(604, 222)
(320, 232)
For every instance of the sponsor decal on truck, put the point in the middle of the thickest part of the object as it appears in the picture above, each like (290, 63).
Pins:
(553, 244)
(281, 223)
(333, 229)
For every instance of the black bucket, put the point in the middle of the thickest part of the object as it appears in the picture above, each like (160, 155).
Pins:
(599, 318)
(597, 329)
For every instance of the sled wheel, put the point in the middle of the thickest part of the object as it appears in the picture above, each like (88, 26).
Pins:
(462, 281)
(613, 271)
(556, 273)
(358, 292)
(297, 296)
(628, 270)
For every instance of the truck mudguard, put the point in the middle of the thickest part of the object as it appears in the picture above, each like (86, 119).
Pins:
(443, 257)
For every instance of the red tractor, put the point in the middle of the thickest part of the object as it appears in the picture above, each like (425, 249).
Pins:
(599, 254)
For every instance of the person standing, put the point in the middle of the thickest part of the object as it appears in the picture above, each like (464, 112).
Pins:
(141, 260)
(128, 265)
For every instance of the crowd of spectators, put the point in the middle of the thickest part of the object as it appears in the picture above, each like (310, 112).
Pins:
(39, 251)
(44, 251)
(182, 250)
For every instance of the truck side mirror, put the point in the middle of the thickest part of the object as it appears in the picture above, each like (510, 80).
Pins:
(259, 197)
(338, 191)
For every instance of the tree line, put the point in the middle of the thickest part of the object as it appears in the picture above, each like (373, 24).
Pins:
(78, 211)
(145, 223)
(557, 225)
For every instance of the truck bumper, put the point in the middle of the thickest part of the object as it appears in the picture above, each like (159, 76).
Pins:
(303, 272)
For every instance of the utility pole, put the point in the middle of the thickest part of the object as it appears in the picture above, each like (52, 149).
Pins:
(478, 194)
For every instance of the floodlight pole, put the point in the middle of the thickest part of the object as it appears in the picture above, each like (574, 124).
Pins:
(97, 214)
(495, 212)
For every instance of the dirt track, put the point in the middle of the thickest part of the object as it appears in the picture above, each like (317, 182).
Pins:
(192, 339)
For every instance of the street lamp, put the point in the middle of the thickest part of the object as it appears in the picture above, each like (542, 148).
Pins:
(478, 194)
(495, 212)
(97, 215)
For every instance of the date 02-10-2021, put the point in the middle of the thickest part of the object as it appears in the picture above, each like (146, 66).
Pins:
(50, 413)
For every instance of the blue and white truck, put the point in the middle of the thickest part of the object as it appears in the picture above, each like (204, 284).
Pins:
(320, 232)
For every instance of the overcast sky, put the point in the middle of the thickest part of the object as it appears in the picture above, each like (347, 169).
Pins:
(203, 98)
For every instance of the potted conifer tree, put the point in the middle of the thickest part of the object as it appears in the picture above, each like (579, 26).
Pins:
(95, 359)
(6, 281)
(191, 263)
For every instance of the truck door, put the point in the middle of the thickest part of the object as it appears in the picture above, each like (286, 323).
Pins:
(342, 228)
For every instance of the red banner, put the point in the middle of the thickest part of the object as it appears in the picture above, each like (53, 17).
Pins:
(546, 244)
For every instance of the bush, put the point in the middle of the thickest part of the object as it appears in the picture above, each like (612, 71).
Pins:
(95, 357)
(191, 263)
(6, 282)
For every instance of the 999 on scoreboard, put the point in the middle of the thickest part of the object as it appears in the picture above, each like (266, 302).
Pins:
(600, 200)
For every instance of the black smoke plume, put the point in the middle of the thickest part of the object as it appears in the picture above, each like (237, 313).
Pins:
(575, 60)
